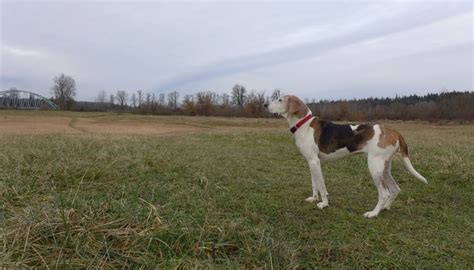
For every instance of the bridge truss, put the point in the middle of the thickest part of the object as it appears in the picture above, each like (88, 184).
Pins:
(20, 99)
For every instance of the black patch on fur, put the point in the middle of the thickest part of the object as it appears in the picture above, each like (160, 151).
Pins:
(334, 136)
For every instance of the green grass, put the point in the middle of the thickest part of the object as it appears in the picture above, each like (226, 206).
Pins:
(228, 200)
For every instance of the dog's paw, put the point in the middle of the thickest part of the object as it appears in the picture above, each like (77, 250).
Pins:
(371, 214)
(322, 205)
(311, 199)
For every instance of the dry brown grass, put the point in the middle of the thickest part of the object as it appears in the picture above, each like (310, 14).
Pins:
(38, 122)
(17, 124)
(94, 125)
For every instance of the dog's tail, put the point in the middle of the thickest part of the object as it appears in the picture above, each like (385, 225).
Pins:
(406, 161)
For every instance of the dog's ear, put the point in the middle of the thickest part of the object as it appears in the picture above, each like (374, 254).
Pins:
(296, 107)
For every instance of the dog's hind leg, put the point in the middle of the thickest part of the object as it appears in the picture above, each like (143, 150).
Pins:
(376, 168)
(390, 184)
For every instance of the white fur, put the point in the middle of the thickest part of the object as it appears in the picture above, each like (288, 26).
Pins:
(409, 167)
(354, 127)
(309, 149)
(338, 154)
(379, 161)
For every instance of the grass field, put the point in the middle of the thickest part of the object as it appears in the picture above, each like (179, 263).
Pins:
(102, 190)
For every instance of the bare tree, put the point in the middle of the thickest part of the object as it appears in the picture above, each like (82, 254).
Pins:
(153, 103)
(148, 100)
(64, 91)
(238, 95)
(204, 103)
(140, 97)
(255, 103)
(161, 99)
(101, 96)
(173, 100)
(225, 100)
(133, 100)
(111, 100)
(122, 98)
(214, 97)
(101, 100)
(188, 104)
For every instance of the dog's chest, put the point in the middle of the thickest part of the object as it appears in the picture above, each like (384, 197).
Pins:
(304, 140)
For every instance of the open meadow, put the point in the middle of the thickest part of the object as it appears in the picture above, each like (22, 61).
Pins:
(104, 190)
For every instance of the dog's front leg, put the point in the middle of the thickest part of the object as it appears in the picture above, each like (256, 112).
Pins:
(314, 185)
(317, 181)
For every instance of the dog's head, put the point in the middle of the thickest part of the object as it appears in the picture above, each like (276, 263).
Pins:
(288, 106)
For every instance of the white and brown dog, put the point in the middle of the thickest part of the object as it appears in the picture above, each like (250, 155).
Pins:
(320, 140)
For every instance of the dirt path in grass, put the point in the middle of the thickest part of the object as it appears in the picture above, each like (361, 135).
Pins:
(76, 125)
(125, 125)
(13, 124)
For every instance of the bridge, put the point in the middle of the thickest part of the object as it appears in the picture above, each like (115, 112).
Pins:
(21, 99)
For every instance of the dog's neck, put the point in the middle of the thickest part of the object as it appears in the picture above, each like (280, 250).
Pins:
(294, 118)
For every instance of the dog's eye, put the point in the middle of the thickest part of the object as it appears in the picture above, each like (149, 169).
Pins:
(279, 100)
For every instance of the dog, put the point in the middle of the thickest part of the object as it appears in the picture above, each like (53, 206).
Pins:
(319, 140)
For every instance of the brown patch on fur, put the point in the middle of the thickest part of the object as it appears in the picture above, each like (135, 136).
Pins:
(387, 137)
(391, 137)
(385, 176)
(403, 146)
(296, 107)
(317, 129)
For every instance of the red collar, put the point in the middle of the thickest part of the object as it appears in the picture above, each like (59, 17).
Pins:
(301, 122)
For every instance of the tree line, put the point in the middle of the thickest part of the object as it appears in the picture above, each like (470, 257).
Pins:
(239, 102)
(447, 105)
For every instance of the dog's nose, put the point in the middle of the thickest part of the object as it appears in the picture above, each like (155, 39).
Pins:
(266, 105)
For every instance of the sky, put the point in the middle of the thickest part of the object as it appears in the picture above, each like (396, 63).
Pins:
(313, 49)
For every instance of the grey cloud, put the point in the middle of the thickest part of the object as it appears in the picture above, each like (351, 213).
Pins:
(163, 46)
(384, 26)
